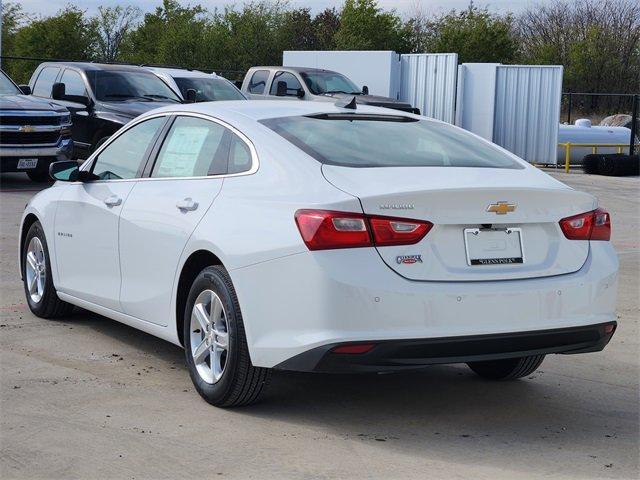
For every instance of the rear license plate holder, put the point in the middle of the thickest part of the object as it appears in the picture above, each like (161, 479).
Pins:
(27, 163)
(491, 246)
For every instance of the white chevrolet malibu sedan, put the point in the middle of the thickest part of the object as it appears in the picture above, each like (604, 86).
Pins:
(321, 238)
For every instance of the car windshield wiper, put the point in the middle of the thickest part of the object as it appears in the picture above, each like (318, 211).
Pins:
(153, 96)
(342, 91)
(126, 96)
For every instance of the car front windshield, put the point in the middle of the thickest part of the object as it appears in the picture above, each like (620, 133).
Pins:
(6, 86)
(208, 89)
(121, 85)
(353, 140)
(320, 83)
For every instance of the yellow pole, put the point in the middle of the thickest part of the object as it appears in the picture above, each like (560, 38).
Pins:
(594, 149)
(567, 156)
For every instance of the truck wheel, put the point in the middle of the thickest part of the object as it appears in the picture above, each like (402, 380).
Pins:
(215, 343)
(39, 176)
(508, 369)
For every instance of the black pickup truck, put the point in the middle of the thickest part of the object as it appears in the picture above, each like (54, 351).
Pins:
(101, 97)
(33, 132)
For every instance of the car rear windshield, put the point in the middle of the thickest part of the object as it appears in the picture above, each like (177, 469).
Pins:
(208, 89)
(352, 140)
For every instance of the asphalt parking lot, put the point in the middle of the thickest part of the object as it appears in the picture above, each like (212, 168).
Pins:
(86, 397)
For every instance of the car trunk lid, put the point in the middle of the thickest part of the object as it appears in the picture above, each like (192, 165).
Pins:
(470, 240)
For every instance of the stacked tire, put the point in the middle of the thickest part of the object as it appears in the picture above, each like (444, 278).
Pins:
(612, 165)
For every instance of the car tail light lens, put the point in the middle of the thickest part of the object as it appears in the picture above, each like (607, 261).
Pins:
(594, 225)
(398, 231)
(327, 229)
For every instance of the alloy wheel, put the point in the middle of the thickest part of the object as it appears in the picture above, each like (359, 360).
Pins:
(209, 336)
(35, 269)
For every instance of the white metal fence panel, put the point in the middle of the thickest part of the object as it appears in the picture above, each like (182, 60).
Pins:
(527, 111)
(428, 81)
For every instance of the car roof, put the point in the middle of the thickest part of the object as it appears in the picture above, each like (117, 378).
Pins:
(293, 69)
(90, 66)
(263, 109)
(181, 72)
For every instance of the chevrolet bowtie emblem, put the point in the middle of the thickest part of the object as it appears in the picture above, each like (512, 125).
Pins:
(501, 208)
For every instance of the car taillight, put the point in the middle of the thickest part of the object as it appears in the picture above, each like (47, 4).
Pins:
(594, 225)
(326, 229)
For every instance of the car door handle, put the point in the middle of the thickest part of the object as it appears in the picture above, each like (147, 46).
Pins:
(187, 205)
(112, 201)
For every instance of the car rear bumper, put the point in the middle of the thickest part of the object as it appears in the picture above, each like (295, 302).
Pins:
(11, 155)
(325, 298)
(393, 355)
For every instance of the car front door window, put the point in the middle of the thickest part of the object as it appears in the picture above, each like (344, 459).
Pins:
(123, 158)
(293, 85)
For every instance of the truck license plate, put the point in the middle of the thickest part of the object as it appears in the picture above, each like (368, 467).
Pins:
(493, 246)
(27, 163)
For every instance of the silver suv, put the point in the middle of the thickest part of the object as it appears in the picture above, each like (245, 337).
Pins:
(311, 84)
(33, 132)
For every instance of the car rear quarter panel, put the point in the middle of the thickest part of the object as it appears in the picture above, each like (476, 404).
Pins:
(252, 219)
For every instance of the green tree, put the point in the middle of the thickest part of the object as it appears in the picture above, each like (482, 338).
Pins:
(113, 24)
(474, 34)
(172, 34)
(365, 26)
(12, 18)
(68, 34)
(325, 25)
(297, 30)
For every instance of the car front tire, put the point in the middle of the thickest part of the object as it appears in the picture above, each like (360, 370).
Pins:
(508, 369)
(39, 290)
(216, 348)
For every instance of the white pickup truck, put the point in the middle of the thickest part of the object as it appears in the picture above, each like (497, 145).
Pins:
(311, 84)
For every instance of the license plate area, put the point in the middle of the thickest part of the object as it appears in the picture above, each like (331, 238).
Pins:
(492, 246)
(27, 163)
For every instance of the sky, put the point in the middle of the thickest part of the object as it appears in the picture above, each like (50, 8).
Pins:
(49, 7)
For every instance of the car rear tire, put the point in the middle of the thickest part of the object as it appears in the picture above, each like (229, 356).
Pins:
(39, 177)
(508, 369)
(215, 343)
(39, 290)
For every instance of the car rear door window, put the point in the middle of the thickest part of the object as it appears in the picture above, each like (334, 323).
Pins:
(73, 83)
(258, 81)
(44, 82)
(293, 85)
(194, 147)
(239, 156)
(124, 156)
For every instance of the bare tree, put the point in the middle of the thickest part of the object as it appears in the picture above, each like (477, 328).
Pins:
(112, 26)
(597, 41)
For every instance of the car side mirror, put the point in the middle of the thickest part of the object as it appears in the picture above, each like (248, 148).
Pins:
(281, 89)
(300, 93)
(58, 91)
(365, 90)
(65, 170)
(25, 89)
(190, 95)
(68, 171)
